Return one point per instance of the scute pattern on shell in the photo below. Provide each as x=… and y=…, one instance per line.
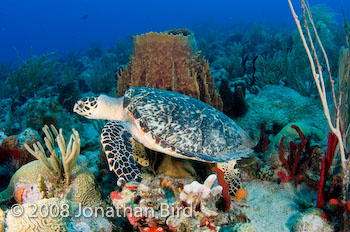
x=140, y=154
x=186, y=125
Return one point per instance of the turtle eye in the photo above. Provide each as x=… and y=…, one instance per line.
x=81, y=105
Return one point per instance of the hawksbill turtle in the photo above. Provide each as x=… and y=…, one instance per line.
x=164, y=121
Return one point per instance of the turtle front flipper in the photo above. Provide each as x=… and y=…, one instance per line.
x=116, y=143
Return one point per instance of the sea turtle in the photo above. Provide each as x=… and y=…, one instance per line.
x=164, y=121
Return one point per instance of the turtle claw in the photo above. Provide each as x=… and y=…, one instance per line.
x=139, y=179
x=121, y=182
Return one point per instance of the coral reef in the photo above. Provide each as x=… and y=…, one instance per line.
x=34, y=74
x=69, y=92
x=100, y=74
x=295, y=163
x=277, y=106
x=272, y=204
x=25, y=187
x=42, y=112
x=10, y=150
x=233, y=96
x=195, y=192
x=69, y=154
x=13, y=154
x=326, y=164
x=174, y=204
x=271, y=68
x=265, y=84
x=312, y=221
x=84, y=190
x=61, y=179
x=249, y=167
x=244, y=227
x=11, y=143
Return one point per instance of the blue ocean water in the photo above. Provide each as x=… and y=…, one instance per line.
x=61, y=26
x=244, y=58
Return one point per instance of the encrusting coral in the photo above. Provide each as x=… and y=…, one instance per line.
x=174, y=204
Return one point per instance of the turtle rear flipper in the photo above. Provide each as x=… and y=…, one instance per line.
x=116, y=143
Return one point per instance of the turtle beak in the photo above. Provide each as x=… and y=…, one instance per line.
x=78, y=107
x=75, y=108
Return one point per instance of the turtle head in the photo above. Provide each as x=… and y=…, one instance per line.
x=101, y=107
x=87, y=107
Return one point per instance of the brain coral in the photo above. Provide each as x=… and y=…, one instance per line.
x=26, y=222
x=52, y=215
x=83, y=189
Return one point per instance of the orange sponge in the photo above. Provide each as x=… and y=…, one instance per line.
x=241, y=194
x=19, y=194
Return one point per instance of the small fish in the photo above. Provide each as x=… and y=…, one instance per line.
x=85, y=16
